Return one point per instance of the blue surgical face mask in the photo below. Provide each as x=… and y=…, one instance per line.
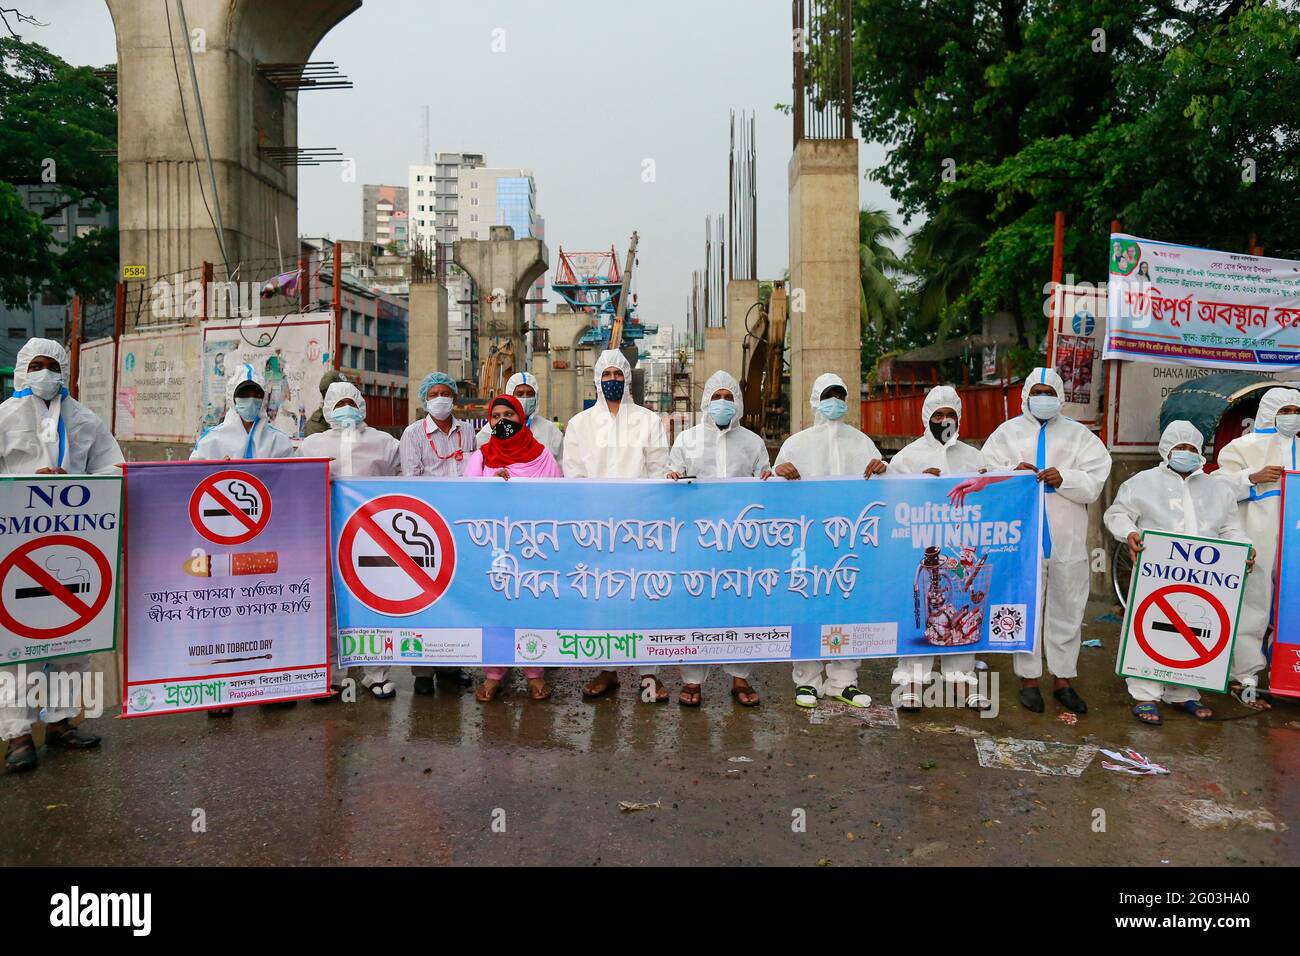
x=1044, y=407
x=249, y=409
x=833, y=409
x=722, y=412
x=45, y=384
x=1184, y=462
x=530, y=405
x=344, y=416
x=612, y=389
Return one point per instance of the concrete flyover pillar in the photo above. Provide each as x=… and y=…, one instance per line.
x=504, y=269
x=164, y=187
x=742, y=299
x=426, y=339
x=824, y=273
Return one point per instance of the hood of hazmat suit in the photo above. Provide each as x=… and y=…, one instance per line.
x=828, y=448
x=951, y=457
x=358, y=451
x=631, y=444
x=1159, y=499
x=707, y=451
x=230, y=440
x=62, y=433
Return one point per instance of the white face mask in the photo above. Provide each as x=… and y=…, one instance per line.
x=45, y=384
x=439, y=408
x=1044, y=407
x=1288, y=425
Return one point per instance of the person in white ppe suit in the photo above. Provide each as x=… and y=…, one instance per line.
x=718, y=447
x=523, y=386
x=1073, y=465
x=828, y=447
x=44, y=431
x=358, y=451
x=616, y=438
x=437, y=446
x=245, y=432
x=1178, y=497
x=1253, y=465
x=938, y=452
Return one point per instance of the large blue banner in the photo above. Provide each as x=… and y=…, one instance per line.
x=609, y=573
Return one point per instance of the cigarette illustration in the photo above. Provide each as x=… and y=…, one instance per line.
x=409, y=531
x=68, y=569
x=232, y=565
x=231, y=660
x=1192, y=615
x=243, y=496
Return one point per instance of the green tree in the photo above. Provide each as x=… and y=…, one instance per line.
x=1177, y=119
x=879, y=265
x=58, y=129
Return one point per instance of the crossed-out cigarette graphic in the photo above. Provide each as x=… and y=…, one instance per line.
x=243, y=495
x=76, y=580
x=409, y=531
x=1192, y=615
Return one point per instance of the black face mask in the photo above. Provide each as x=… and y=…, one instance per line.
x=943, y=430
x=506, y=429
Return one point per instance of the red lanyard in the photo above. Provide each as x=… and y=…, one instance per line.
x=458, y=454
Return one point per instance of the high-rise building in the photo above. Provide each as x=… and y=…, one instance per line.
x=460, y=197
x=435, y=217
x=384, y=216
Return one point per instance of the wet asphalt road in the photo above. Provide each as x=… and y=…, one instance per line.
x=435, y=780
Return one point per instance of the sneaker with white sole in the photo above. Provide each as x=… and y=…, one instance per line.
x=853, y=697
x=805, y=696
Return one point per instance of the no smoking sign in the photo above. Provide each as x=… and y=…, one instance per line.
x=396, y=555
x=1183, y=608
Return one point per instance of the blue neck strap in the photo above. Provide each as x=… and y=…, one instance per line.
x=248, y=448
x=63, y=430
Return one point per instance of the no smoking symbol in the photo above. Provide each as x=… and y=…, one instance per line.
x=60, y=575
x=396, y=555
x=230, y=507
x=1199, y=620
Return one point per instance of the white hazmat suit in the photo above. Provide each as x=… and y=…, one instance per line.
x=823, y=449
x=35, y=434
x=631, y=444
x=543, y=429
x=231, y=440
x=1084, y=465
x=1259, y=508
x=952, y=457
x=1159, y=499
x=358, y=451
x=709, y=451
x=75, y=438
x=600, y=445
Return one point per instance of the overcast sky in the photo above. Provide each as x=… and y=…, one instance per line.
x=583, y=93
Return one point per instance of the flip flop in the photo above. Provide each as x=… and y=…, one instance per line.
x=737, y=691
x=1150, y=709
x=1192, y=706
x=687, y=692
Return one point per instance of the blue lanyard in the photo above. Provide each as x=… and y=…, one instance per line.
x=63, y=431
x=248, y=448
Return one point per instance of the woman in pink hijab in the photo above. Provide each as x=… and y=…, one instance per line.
x=511, y=452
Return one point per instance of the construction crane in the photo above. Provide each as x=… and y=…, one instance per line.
x=591, y=282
